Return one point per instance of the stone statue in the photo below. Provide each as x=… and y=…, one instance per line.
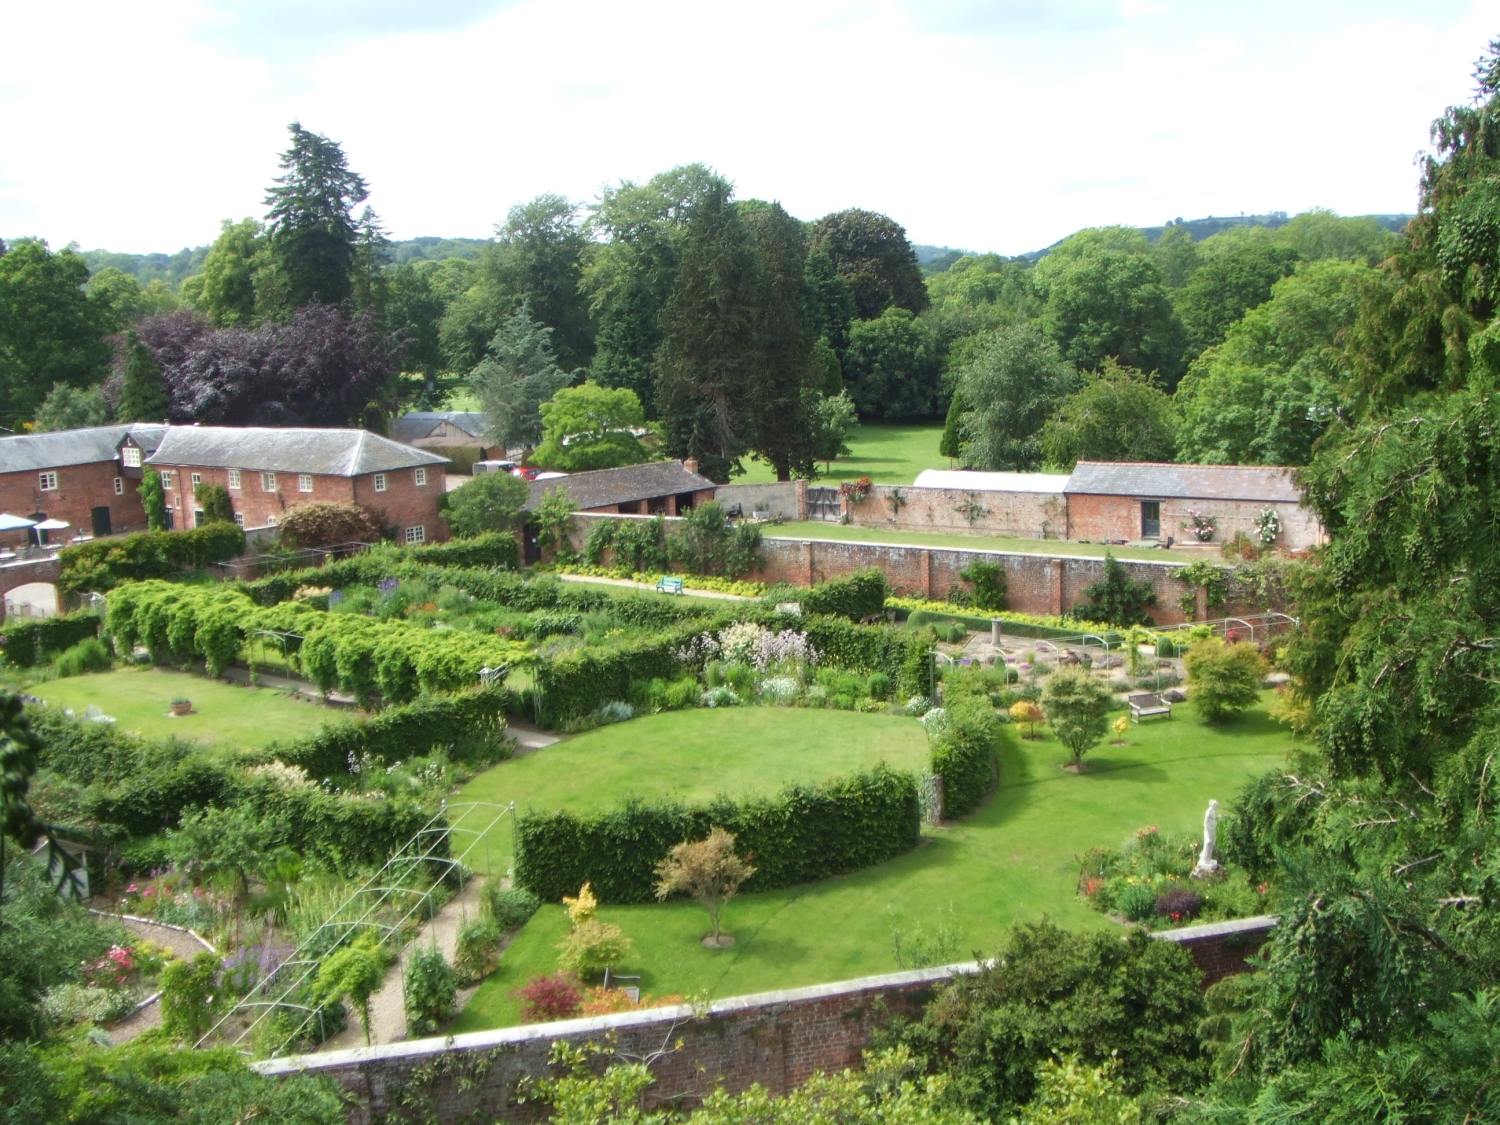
x=1206, y=861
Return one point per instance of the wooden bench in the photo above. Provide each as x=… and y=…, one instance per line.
x=665, y=585
x=1144, y=704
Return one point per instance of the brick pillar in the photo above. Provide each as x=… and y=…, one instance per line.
x=671, y=505
x=1200, y=604
x=927, y=574
x=801, y=487
x=1055, y=585
x=807, y=563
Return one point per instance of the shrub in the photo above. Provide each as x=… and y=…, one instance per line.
x=708, y=871
x=487, y=504
x=1179, y=904
x=963, y=754
x=86, y=656
x=639, y=546
x=616, y=712
x=1077, y=706
x=555, y=997
x=879, y=686
x=1117, y=599
x=188, y=993
x=707, y=543
x=104, y=563
x=27, y=643
x=213, y=502
x=803, y=833
x=1025, y=711
x=1136, y=901
x=355, y=972
x=592, y=947
x=509, y=909
x=327, y=525
x=428, y=990
x=988, y=580
x=682, y=693
x=856, y=597
x=1224, y=678
x=474, y=953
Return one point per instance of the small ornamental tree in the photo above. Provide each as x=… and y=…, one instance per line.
x=354, y=972
x=491, y=502
x=555, y=997
x=593, y=945
x=1118, y=599
x=709, y=872
x=153, y=499
x=324, y=525
x=1223, y=679
x=1025, y=711
x=1077, y=705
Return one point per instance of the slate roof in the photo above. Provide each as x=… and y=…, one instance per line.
x=146, y=435
x=417, y=424
x=1188, y=482
x=31, y=452
x=972, y=481
x=335, y=453
x=601, y=488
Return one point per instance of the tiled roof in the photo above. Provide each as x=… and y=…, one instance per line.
x=602, y=487
x=338, y=453
x=1189, y=482
x=418, y=424
x=30, y=452
x=971, y=481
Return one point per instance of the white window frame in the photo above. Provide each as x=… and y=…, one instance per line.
x=270, y=521
x=304, y=482
x=166, y=480
x=197, y=480
x=197, y=517
x=119, y=486
x=131, y=456
x=268, y=482
x=46, y=482
x=234, y=478
x=379, y=482
x=420, y=476
x=417, y=534
x=239, y=519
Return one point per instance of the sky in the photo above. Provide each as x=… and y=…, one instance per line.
x=995, y=126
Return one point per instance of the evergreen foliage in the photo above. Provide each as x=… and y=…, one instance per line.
x=143, y=395
x=310, y=221
x=1117, y=599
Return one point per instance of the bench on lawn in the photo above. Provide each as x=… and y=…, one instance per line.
x=631, y=986
x=665, y=585
x=1144, y=704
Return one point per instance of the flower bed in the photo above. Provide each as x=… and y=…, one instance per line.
x=1150, y=881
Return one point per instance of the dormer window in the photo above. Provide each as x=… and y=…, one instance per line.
x=131, y=456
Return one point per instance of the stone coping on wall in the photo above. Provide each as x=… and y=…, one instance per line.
x=592, y=1025
x=1257, y=924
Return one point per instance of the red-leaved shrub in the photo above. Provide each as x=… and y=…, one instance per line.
x=556, y=997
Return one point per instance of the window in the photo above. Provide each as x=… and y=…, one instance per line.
x=268, y=482
x=379, y=482
x=197, y=517
x=234, y=478
x=421, y=475
x=304, y=482
x=131, y=455
x=239, y=519
x=47, y=482
x=270, y=521
x=1150, y=519
x=416, y=534
x=119, y=486
x=166, y=481
x=197, y=480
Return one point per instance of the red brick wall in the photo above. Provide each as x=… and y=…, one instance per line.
x=1097, y=518
x=1014, y=515
x=1221, y=949
x=80, y=489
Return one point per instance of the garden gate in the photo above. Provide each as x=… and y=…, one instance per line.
x=823, y=504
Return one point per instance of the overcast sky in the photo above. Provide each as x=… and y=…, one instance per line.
x=999, y=125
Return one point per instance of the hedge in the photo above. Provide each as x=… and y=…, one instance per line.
x=802, y=834
x=963, y=755
x=860, y=595
x=982, y=624
x=578, y=683
x=397, y=733
x=30, y=642
x=104, y=563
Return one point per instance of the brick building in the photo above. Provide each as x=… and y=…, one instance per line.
x=269, y=472
x=75, y=476
x=462, y=436
x=670, y=487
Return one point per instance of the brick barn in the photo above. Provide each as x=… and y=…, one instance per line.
x=269, y=472
x=462, y=436
x=75, y=476
x=668, y=487
x=1135, y=501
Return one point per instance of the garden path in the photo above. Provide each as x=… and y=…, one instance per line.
x=388, y=1006
x=185, y=945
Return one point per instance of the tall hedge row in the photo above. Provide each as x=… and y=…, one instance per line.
x=104, y=563
x=858, y=596
x=28, y=642
x=580, y=682
x=397, y=733
x=963, y=755
x=802, y=834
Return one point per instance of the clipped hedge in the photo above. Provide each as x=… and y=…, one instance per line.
x=104, y=563
x=30, y=642
x=580, y=682
x=981, y=624
x=398, y=733
x=860, y=595
x=801, y=834
x=963, y=755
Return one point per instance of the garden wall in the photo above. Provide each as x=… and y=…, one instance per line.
x=776, y=1039
x=1011, y=515
x=785, y=500
x=1101, y=518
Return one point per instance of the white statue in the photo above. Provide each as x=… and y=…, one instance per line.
x=1206, y=861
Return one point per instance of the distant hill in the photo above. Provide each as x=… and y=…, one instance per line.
x=173, y=268
x=430, y=248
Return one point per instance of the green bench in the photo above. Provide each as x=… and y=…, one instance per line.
x=665, y=585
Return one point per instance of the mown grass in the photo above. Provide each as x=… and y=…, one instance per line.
x=1015, y=859
x=886, y=452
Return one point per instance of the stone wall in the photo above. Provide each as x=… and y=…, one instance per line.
x=1012, y=515
x=783, y=499
x=776, y=1039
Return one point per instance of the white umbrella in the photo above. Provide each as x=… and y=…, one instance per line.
x=9, y=522
x=53, y=525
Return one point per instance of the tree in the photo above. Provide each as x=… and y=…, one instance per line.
x=328, y=525
x=490, y=502
x=828, y=369
x=1117, y=415
x=832, y=419
x=369, y=287
x=68, y=408
x=1223, y=678
x=591, y=427
x=188, y=991
x=227, y=295
x=831, y=304
x=143, y=394
x=517, y=375
x=891, y=367
x=354, y=972
x=1015, y=381
x=1117, y=599
x=709, y=872
x=871, y=253
x=122, y=301
x=310, y=221
x=414, y=311
x=1228, y=285
x=1025, y=711
x=951, y=445
x=50, y=331
x=153, y=499
x=706, y=542
x=1077, y=706
x=1071, y=1093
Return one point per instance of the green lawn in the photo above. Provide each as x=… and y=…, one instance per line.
x=694, y=756
x=819, y=529
x=886, y=452
x=1015, y=859
x=223, y=713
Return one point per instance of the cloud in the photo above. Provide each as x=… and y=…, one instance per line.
x=295, y=30
x=1014, y=17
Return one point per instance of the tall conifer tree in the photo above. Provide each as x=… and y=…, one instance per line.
x=143, y=397
x=311, y=221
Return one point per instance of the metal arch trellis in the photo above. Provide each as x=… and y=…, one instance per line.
x=280, y=989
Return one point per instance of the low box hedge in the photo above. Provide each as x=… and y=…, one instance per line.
x=803, y=833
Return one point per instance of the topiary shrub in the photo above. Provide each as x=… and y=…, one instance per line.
x=325, y=525
x=860, y=595
x=509, y=909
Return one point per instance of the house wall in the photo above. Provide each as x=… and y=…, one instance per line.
x=1011, y=515
x=80, y=489
x=1099, y=518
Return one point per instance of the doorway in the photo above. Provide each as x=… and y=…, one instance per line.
x=100, y=518
x=1150, y=519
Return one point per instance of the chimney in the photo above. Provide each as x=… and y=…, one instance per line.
x=690, y=464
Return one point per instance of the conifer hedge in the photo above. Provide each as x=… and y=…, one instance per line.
x=803, y=833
